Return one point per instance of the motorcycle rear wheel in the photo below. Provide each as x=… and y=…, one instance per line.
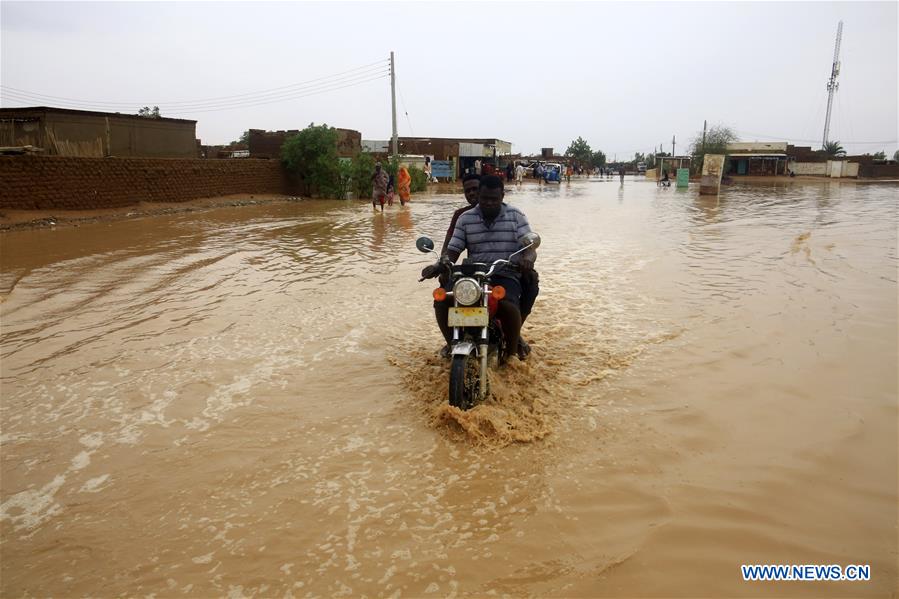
x=465, y=381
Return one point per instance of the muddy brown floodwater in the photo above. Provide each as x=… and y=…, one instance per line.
x=248, y=402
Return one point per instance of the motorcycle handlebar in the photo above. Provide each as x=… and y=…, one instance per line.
x=495, y=264
x=490, y=272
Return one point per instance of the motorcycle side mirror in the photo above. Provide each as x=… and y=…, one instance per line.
x=424, y=245
x=531, y=240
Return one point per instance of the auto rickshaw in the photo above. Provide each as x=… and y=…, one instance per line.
x=552, y=173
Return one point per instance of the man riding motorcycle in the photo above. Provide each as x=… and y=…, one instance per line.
x=490, y=231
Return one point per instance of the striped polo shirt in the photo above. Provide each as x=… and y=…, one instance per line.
x=486, y=243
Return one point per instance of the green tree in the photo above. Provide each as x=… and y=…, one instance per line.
x=896, y=155
x=393, y=166
x=312, y=154
x=833, y=149
x=244, y=139
x=345, y=173
x=716, y=140
x=363, y=169
x=419, y=179
x=880, y=155
x=598, y=158
x=149, y=113
x=580, y=152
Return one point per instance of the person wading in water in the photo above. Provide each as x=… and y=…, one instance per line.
x=379, y=187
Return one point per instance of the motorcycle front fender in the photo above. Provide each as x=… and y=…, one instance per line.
x=464, y=348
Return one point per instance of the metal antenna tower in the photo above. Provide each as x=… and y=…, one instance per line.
x=832, y=85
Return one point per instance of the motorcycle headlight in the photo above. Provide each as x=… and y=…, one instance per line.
x=467, y=291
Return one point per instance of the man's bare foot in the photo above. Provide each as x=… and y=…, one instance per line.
x=524, y=350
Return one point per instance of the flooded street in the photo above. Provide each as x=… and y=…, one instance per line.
x=249, y=402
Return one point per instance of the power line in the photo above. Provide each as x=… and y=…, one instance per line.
x=222, y=104
x=889, y=141
x=295, y=97
x=347, y=74
x=256, y=101
x=406, y=112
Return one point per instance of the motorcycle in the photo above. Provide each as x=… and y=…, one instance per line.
x=477, y=332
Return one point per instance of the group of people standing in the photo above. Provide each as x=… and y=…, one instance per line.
x=549, y=172
x=385, y=189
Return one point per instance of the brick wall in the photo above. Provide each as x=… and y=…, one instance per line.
x=267, y=144
x=69, y=183
x=349, y=143
x=875, y=171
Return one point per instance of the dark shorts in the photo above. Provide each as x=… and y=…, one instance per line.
x=530, y=288
x=513, y=289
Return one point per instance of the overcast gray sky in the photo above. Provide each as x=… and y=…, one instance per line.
x=625, y=76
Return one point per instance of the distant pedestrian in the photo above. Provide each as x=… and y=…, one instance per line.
x=519, y=173
x=510, y=172
x=477, y=167
x=404, y=185
x=379, y=182
x=391, y=190
x=538, y=172
x=621, y=174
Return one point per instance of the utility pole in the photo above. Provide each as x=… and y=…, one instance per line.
x=394, y=140
x=704, y=124
x=672, y=146
x=832, y=85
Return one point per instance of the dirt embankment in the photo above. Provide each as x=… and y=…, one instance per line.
x=36, y=219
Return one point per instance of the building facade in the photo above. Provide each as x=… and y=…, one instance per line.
x=757, y=158
x=463, y=151
x=64, y=132
x=267, y=144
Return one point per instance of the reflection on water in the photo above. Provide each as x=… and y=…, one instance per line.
x=248, y=401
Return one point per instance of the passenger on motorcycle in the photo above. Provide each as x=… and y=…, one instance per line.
x=530, y=280
x=470, y=185
x=490, y=231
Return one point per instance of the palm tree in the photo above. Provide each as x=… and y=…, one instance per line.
x=833, y=149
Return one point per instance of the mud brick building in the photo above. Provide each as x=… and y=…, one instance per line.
x=267, y=144
x=84, y=133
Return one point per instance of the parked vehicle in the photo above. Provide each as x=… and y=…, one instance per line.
x=553, y=172
x=477, y=333
x=641, y=168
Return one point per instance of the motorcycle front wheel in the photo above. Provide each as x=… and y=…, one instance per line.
x=465, y=381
